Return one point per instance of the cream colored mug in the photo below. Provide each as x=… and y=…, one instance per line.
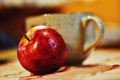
x=77, y=30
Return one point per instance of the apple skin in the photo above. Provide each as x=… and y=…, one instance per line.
x=42, y=50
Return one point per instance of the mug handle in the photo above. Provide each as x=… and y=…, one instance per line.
x=85, y=22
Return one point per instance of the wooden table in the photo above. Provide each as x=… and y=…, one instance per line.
x=102, y=64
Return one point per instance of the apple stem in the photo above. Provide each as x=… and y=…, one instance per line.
x=27, y=38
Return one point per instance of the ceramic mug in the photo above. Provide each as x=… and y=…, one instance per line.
x=77, y=30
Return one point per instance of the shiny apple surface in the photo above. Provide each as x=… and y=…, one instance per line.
x=42, y=50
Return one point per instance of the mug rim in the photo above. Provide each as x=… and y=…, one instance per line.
x=72, y=13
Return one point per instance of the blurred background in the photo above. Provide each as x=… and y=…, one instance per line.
x=14, y=12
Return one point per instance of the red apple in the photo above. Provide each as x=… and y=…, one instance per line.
x=42, y=50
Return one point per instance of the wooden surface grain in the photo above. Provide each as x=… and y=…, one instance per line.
x=102, y=64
